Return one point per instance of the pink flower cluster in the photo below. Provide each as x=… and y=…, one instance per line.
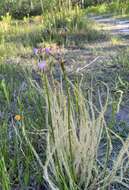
x=49, y=51
x=38, y=51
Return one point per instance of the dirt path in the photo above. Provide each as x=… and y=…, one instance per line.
x=116, y=26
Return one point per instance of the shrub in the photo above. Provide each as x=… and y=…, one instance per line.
x=19, y=9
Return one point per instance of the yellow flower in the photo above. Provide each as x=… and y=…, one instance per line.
x=18, y=117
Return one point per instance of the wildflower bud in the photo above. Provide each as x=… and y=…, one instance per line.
x=62, y=65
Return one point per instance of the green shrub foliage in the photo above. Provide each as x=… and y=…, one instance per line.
x=20, y=8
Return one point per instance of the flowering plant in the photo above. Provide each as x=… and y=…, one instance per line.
x=44, y=53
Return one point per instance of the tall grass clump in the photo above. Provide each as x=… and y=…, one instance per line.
x=72, y=156
x=75, y=131
x=70, y=26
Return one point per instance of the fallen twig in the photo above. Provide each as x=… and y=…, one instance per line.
x=80, y=69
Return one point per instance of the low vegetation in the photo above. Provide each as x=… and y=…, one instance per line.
x=116, y=7
x=59, y=128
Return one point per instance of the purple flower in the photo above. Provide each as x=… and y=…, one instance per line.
x=42, y=65
x=47, y=50
x=36, y=51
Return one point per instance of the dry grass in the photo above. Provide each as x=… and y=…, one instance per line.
x=74, y=136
